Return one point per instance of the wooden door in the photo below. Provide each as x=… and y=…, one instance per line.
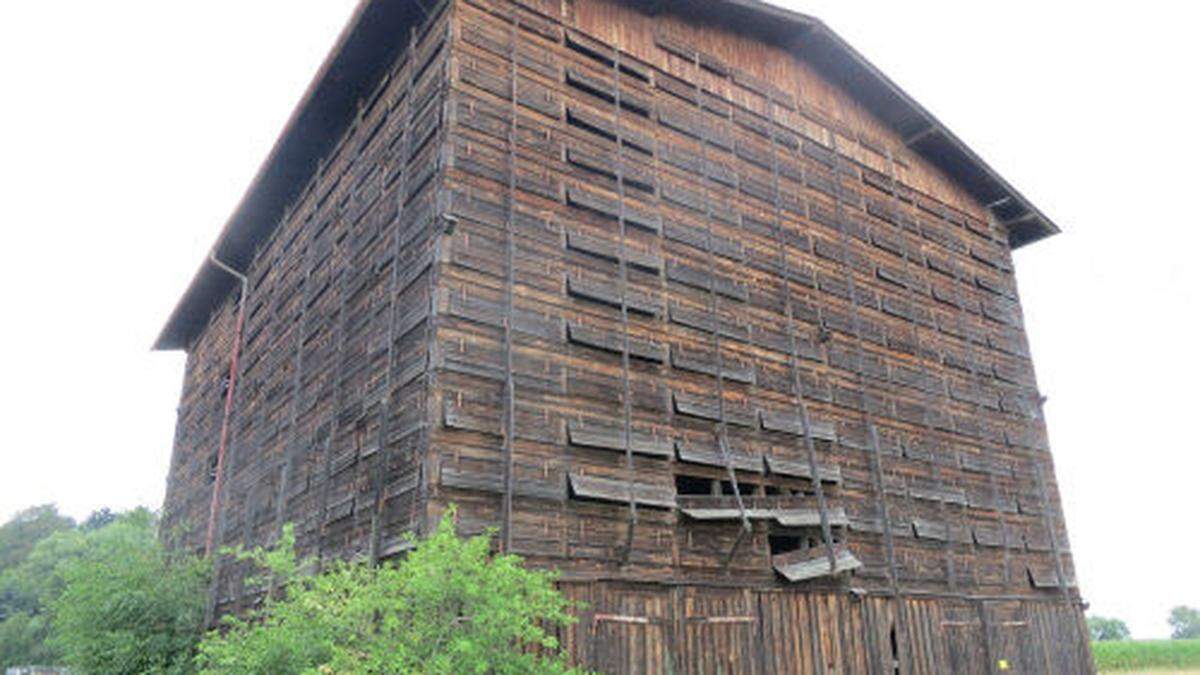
x=965, y=639
x=721, y=631
x=630, y=630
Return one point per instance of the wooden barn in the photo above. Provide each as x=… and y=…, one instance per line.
x=685, y=298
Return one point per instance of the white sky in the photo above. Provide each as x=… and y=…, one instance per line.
x=130, y=128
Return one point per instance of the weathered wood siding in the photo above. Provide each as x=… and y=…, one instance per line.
x=611, y=281
x=330, y=403
x=650, y=628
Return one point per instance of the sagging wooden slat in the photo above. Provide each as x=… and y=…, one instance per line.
x=485, y=476
x=607, y=293
x=985, y=501
x=803, y=565
x=994, y=537
x=632, y=175
x=875, y=526
x=611, y=208
x=811, y=517
x=339, y=510
x=828, y=473
x=701, y=279
x=782, y=516
x=606, y=129
x=706, y=407
x=612, y=438
x=698, y=238
x=702, y=320
x=935, y=493
x=939, y=531
x=613, y=342
x=621, y=492
x=608, y=250
x=977, y=463
x=709, y=455
x=706, y=363
x=1040, y=577
x=457, y=417
x=790, y=423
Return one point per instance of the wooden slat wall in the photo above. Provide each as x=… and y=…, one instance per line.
x=327, y=431
x=647, y=628
x=373, y=387
x=949, y=383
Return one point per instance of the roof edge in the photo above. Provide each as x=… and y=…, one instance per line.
x=364, y=49
x=367, y=45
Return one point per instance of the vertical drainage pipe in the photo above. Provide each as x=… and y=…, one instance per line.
x=214, y=505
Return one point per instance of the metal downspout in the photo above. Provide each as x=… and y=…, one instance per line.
x=214, y=505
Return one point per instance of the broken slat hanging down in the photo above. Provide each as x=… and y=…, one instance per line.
x=810, y=564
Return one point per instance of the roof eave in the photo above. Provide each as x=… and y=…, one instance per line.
x=367, y=45
x=364, y=49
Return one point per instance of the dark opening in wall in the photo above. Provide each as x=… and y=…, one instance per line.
x=784, y=543
x=693, y=485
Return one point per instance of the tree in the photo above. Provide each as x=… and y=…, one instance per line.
x=126, y=604
x=26, y=589
x=1185, y=623
x=1103, y=628
x=451, y=606
x=23, y=641
x=20, y=534
x=98, y=519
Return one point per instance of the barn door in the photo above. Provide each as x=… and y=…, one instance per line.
x=965, y=640
x=1013, y=648
x=630, y=630
x=721, y=631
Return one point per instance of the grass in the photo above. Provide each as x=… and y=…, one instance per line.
x=1147, y=655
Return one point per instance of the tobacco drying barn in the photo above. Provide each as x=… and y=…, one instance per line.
x=686, y=299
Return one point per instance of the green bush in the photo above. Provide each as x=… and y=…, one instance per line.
x=33, y=545
x=126, y=604
x=450, y=606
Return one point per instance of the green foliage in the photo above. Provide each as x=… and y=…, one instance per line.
x=33, y=545
x=1185, y=623
x=98, y=519
x=1143, y=655
x=23, y=640
x=20, y=534
x=126, y=604
x=1103, y=629
x=451, y=606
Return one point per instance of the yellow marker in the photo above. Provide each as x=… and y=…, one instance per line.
x=1002, y=664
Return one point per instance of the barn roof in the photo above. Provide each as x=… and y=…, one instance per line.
x=369, y=44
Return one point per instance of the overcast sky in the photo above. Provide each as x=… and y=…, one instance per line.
x=130, y=128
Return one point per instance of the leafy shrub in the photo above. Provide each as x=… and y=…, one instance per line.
x=450, y=606
x=127, y=605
